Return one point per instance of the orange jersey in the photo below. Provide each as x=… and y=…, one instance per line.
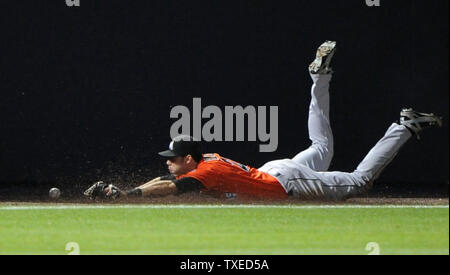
x=219, y=174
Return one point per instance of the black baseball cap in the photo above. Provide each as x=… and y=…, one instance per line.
x=182, y=146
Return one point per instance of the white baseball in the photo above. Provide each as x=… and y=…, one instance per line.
x=54, y=193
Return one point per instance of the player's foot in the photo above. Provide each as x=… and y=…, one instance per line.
x=417, y=122
x=96, y=190
x=321, y=65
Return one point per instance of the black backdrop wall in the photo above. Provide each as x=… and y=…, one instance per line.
x=87, y=91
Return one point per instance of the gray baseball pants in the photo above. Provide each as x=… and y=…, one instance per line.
x=305, y=176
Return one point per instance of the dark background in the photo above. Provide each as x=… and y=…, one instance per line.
x=86, y=91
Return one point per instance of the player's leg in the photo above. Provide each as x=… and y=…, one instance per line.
x=340, y=185
x=318, y=156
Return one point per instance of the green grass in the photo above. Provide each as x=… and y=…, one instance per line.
x=226, y=231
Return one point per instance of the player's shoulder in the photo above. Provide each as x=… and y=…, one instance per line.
x=211, y=157
x=208, y=166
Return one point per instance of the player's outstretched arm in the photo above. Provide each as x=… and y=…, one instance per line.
x=162, y=178
x=158, y=187
x=164, y=186
x=150, y=182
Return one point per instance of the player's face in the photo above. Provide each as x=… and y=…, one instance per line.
x=178, y=166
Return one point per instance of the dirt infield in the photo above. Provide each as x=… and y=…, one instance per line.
x=201, y=199
x=398, y=193
x=399, y=201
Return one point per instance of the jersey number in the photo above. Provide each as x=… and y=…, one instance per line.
x=237, y=164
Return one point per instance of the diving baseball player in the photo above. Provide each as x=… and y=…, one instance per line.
x=304, y=176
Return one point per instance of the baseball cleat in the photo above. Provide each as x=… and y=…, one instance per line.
x=417, y=122
x=96, y=190
x=112, y=192
x=321, y=65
